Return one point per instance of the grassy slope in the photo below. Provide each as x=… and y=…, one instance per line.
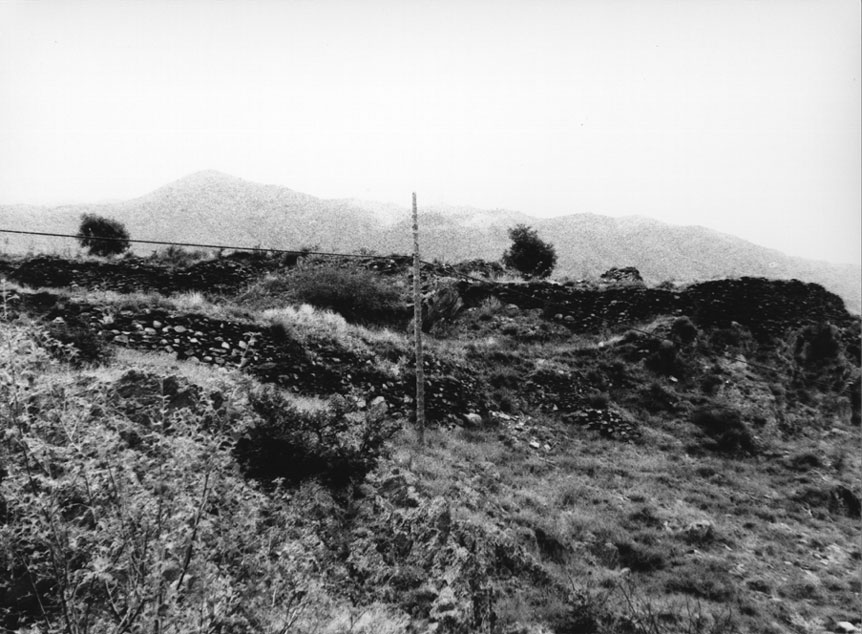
x=560, y=527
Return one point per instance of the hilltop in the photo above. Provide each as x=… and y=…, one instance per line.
x=227, y=443
x=216, y=208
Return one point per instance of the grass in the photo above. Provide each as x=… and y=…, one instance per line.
x=115, y=526
x=356, y=294
x=598, y=527
x=641, y=500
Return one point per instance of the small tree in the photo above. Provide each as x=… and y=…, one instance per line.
x=102, y=236
x=529, y=255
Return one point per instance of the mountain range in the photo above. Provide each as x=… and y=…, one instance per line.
x=215, y=208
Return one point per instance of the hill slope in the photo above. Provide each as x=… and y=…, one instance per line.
x=215, y=208
x=647, y=461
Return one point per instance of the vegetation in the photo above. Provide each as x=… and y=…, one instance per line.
x=111, y=525
x=529, y=254
x=102, y=236
x=358, y=295
x=726, y=428
x=335, y=444
x=180, y=257
x=662, y=475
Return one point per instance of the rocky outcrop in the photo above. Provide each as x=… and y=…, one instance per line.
x=626, y=275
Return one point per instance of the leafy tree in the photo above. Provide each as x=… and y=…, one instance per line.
x=102, y=236
x=529, y=254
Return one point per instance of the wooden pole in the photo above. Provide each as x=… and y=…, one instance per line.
x=417, y=330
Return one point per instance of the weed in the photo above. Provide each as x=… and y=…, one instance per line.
x=706, y=579
x=100, y=536
x=76, y=343
x=726, y=428
x=335, y=445
x=642, y=616
x=359, y=296
x=683, y=330
x=640, y=557
x=179, y=257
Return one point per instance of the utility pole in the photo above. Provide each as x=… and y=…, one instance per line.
x=417, y=330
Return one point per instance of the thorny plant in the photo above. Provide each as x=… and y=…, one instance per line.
x=109, y=528
x=622, y=607
x=641, y=616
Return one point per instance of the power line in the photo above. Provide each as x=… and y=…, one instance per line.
x=211, y=246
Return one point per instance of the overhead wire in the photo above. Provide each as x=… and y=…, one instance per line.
x=196, y=245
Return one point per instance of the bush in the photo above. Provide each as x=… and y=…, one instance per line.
x=683, y=330
x=179, y=257
x=76, y=343
x=335, y=445
x=358, y=295
x=102, y=236
x=817, y=344
x=710, y=384
x=528, y=254
x=640, y=557
x=726, y=428
x=99, y=534
x=663, y=359
x=44, y=271
x=708, y=580
x=441, y=308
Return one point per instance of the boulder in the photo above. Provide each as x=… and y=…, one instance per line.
x=628, y=274
x=472, y=419
x=699, y=532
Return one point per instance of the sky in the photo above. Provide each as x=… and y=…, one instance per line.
x=744, y=116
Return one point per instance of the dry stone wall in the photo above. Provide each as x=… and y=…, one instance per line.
x=318, y=368
x=767, y=307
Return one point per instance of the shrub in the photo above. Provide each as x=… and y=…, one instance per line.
x=724, y=340
x=528, y=254
x=179, y=257
x=640, y=557
x=442, y=307
x=683, y=330
x=705, y=579
x=817, y=344
x=102, y=236
x=100, y=534
x=76, y=343
x=710, y=384
x=44, y=271
x=334, y=445
x=358, y=295
x=725, y=427
x=598, y=400
x=663, y=360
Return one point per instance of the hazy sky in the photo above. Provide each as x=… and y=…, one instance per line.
x=740, y=115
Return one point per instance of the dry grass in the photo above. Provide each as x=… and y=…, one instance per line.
x=619, y=511
x=642, y=500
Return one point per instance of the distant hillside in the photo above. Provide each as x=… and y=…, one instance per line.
x=589, y=244
x=212, y=207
